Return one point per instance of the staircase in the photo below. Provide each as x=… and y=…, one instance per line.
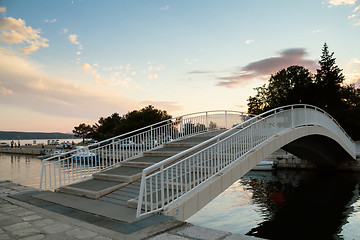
x=128, y=173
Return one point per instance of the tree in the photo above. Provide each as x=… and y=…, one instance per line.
x=338, y=99
x=138, y=119
x=288, y=86
x=349, y=113
x=115, y=124
x=259, y=103
x=82, y=131
x=329, y=80
x=105, y=128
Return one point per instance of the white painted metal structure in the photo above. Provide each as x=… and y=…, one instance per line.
x=166, y=185
x=77, y=165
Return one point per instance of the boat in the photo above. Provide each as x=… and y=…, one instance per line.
x=266, y=166
x=84, y=155
x=56, y=153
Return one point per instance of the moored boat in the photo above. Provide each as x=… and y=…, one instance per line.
x=56, y=153
x=84, y=155
x=266, y=166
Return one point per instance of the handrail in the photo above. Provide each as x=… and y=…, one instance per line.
x=76, y=165
x=165, y=183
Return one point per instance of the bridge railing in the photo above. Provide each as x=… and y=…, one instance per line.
x=167, y=182
x=78, y=164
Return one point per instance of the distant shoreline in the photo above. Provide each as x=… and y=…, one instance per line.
x=34, y=142
x=13, y=135
x=28, y=150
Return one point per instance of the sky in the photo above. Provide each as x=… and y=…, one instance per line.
x=66, y=62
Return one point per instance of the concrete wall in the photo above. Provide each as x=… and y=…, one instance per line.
x=193, y=201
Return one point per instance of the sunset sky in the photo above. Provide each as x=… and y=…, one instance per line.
x=65, y=62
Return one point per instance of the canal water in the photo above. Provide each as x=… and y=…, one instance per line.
x=21, y=169
x=288, y=205
x=274, y=205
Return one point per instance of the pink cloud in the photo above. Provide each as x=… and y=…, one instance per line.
x=263, y=68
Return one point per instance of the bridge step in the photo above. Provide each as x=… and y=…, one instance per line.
x=181, y=144
x=165, y=151
x=154, y=196
x=143, y=162
x=120, y=174
x=94, y=188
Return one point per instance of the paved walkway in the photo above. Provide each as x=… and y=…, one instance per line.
x=20, y=220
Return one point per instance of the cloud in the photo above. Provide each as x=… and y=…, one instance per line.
x=2, y=9
x=118, y=79
x=87, y=68
x=25, y=85
x=120, y=76
x=355, y=61
x=152, y=70
x=165, y=8
x=316, y=31
x=263, y=68
x=5, y=91
x=249, y=41
x=352, y=75
x=353, y=78
x=200, y=72
x=341, y=2
x=73, y=39
x=191, y=61
x=353, y=16
x=153, y=76
x=169, y=106
x=123, y=75
x=15, y=31
x=50, y=20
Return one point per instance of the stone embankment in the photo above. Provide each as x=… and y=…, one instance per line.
x=20, y=220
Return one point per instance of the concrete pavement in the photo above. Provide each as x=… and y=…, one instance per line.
x=36, y=219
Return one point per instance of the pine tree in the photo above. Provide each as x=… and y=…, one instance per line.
x=329, y=79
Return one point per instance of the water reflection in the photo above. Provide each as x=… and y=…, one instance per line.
x=315, y=206
x=22, y=169
x=288, y=205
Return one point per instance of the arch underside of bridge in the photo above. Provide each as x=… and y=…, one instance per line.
x=313, y=143
x=325, y=152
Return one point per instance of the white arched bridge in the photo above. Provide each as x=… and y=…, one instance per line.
x=179, y=165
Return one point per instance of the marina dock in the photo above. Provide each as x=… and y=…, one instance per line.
x=29, y=149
